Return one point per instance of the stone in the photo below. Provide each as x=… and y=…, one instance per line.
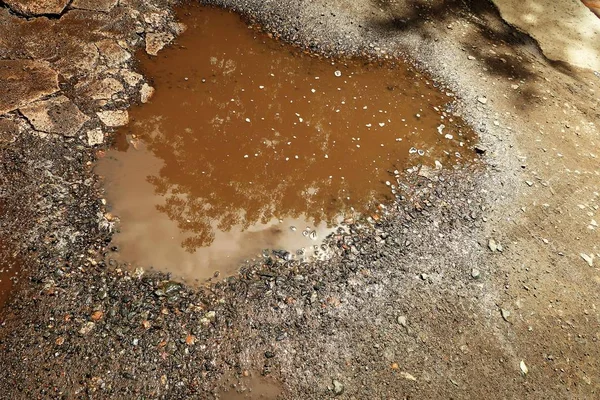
x=492, y=245
x=25, y=81
x=95, y=137
x=156, y=41
x=505, y=314
x=402, y=320
x=101, y=90
x=131, y=78
x=32, y=8
x=211, y=315
x=87, y=328
x=112, y=53
x=338, y=387
x=95, y=5
x=146, y=92
x=482, y=100
x=114, y=118
x=79, y=61
x=408, y=376
x=523, y=368
x=480, y=149
x=475, y=274
x=588, y=259
x=471, y=58
x=56, y=115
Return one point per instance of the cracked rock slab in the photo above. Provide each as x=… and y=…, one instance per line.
x=101, y=89
x=57, y=115
x=95, y=137
x=115, y=118
x=33, y=8
x=24, y=81
x=155, y=41
x=112, y=52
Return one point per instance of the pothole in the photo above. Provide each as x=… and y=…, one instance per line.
x=249, y=144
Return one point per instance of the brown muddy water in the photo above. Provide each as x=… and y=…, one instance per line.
x=251, y=387
x=10, y=266
x=249, y=144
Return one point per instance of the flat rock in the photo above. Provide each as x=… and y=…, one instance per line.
x=77, y=59
x=103, y=89
x=37, y=7
x=146, y=92
x=57, y=115
x=95, y=137
x=95, y=5
x=155, y=41
x=114, y=118
x=112, y=53
x=565, y=30
x=24, y=81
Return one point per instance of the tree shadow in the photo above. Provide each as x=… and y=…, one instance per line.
x=426, y=17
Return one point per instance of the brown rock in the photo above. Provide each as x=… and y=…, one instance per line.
x=95, y=5
x=97, y=315
x=24, y=81
x=100, y=89
x=112, y=52
x=9, y=130
x=146, y=92
x=56, y=115
x=155, y=41
x=37, y=7
x=190, y=339
x=77, y=59
x=114, y=118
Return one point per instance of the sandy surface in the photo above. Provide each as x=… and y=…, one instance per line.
x=565, y=30
x=476, y=284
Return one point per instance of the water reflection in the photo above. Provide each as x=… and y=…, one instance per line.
x=243, y=131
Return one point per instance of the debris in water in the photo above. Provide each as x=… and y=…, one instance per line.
x=227, y=154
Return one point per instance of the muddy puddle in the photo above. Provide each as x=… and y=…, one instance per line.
x=249, y=144
x=250, y=387
x=10, y=266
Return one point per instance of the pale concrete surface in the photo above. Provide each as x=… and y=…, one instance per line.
x=566, y=30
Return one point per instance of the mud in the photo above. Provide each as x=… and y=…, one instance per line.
x=10, y=267
x=250, y=144
x=250, y=386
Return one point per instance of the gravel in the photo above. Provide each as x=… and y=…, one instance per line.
x=84, y=325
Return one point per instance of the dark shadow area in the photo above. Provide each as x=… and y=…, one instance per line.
x=416, y=15
x=424, y=16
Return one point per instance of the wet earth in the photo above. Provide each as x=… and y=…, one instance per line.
x=470, y=281
x=9, y=272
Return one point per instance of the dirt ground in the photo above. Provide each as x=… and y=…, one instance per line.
x=478, y=283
